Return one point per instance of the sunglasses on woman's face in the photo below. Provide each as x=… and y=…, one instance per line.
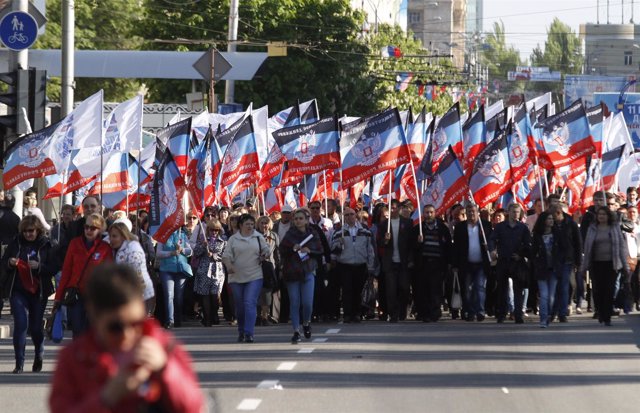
x=192, y=218
x=117, y=327
x=91, y=228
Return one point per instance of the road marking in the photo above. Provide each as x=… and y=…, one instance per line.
x=249, y=404
x=287, y=365
x=320, y=340
x=332, y=331
x=308, y=350
x=505, y=390
x=269, y=385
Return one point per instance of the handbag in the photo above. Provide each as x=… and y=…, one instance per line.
x=456, y=297
x=369, y=294
x=269, y=278
x=54, y=328
x=71, y=295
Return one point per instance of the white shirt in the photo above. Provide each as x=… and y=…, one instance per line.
x=283, y=228
x=475, y=252
x=395, y=231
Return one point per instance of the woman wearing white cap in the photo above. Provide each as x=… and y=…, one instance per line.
x=127, y=250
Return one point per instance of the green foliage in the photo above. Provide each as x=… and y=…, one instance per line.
x=501, y=59
x=425, y=70
x=562, y=50
x=100, y=25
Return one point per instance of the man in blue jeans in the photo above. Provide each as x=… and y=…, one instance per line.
x=471, y=260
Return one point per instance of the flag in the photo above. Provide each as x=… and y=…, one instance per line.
x=271, y=169
x=372, y=145
x=198, y=181
x=448, y=185
x=166, y=213
x=391, y=51
x=25, y=158
x=473, y=139
x=59, y=185
x=595, y=116
x=240, y=160
x=517, y=140
x=629, y=172
x=200, y=125
x=177, y=137
x=609, y=167
x=566, y=136
x=310, y=148
x=119, y=175
x=491, y=175
x=264, y=140
x=448, y=132
x=273, y=200
x=617, y=134
x=82, y=128
x=417, y=136
x=123, y=133
x=308, y=112
x=403, y=80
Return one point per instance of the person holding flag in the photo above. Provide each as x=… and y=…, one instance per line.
x=510, y=244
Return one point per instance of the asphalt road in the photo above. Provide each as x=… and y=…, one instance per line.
x=451, y=366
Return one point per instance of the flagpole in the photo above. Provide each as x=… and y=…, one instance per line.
x=484, y=236
x=415, y=183
x=264, y=204
x=389, y=199
x=341, y=201
x=540, y=184
x=202, y=228
x=61, y=200
x=126, y=190
x=326, y=194
x=305, y=189
x=139, y=173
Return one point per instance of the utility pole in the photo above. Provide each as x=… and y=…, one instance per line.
x=19, y=61
x=230, y=86
x=68, y=65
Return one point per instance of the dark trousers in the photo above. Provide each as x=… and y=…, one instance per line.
x=635, y=285
x=430, y=275
x=280, y=304
x=77, y=316
x=502, y=279
x=397, y=282
x=352, y=279
x=326, y=292
x=604, y=278
x=210, y=305
x=28, y=313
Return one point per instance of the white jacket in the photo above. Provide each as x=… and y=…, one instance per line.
x=131, y=253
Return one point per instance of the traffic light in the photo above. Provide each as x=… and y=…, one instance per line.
x=16, y=98
x=37, y=98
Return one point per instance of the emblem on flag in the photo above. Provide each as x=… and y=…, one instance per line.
x=560, y=136
x=308, y=142
x=367, y=149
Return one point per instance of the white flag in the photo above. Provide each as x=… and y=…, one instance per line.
x=264, y=140
x=122, y=134
x=200, y=125
x=82, y=128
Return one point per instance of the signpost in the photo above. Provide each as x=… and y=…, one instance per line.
x=18, y=30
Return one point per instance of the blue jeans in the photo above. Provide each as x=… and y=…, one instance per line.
x=476, y=289
x=173, y=289
x=547, y=291
x=245, y=298
x=77, y=316
x=28, y=313
x=561, y=306
x=301, y=295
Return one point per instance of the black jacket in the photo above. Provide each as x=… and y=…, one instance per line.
x=406, y=242
x=20, y=248
x=461, y=247
x=568, y=243
x=9, y=222
x=444, y=235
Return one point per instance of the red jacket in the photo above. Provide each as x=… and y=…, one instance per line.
x=81, y=260
x=83, y=370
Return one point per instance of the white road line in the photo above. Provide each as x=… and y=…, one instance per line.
x=332, y=331
x=287, y=365
x=320, y=340
x=249, y=404
x=505, y=390
x=308, y=350
x=269, y=385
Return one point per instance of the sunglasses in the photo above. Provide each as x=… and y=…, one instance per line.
x=91, y=228
x=118, y=326
x=315, y=207
x=209, y=215
x=29, y=230
x=193, y=217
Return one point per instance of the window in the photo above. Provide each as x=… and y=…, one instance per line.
x=415, y=17
x=628, y=58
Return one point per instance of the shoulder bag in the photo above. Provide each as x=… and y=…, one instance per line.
x=269, y=278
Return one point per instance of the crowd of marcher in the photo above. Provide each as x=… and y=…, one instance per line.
x=315, y=264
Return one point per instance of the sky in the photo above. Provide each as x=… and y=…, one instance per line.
x=526, y=21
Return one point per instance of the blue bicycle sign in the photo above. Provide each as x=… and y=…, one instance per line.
x=18, y=30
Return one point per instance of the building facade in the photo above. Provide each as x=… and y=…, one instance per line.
x=611, y=49
x=380, y=11
x=441, y=26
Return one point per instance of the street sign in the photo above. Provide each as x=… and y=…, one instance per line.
x=35, y=10
x=18, y=30
x=220, y=66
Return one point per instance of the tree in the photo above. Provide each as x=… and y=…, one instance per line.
x=425, y=70
x=562, y=52
x=99, y=25
x=501, y=59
